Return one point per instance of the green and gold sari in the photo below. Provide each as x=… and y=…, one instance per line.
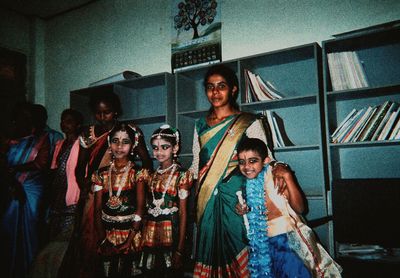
x=221, y=240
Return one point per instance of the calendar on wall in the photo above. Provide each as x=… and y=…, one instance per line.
x=196, y=34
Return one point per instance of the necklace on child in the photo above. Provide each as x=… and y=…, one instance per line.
x=114, y=201
x=156, y=211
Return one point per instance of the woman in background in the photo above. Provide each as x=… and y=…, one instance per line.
x=27, y=160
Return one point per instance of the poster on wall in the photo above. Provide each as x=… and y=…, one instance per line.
x=196, y=33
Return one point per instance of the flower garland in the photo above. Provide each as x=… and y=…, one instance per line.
x=260, y=259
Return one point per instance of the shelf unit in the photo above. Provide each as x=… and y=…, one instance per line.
x=148, y=101
x=296, y=72
x=379, y=53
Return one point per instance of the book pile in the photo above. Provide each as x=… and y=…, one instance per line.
x=346, y=71
x=257, y=89
x=372, y=123
x=277, y=130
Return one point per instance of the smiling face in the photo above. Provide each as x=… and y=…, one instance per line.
x=163, y=151
x=121, y=145
x=250, y=164
x=218, y=91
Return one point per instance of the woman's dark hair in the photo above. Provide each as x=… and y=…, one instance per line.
x=231, y=79
x=78, y=117
x=253, y=144
x=107, y=97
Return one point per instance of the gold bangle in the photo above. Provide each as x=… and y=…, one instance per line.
x=178, y=253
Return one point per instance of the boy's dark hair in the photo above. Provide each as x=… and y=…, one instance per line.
x=107, y=97
x=253, y=144
x=78, y=117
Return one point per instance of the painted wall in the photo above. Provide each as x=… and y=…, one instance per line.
x=107, y=37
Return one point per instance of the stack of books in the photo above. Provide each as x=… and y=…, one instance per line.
x=259, y=90
x=277, y=129
x=346, y=71
x=372, y=123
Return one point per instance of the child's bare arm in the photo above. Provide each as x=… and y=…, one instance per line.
x=293, y=192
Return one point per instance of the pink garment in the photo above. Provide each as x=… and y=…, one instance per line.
x=72, y=196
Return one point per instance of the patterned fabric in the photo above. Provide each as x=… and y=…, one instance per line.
x=298, y=241
x=61, y=215
x=117, y=230
x=19, y=224
x=160, y=234
x=221, y=249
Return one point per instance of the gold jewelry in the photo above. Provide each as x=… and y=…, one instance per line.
x=115, y=202
x=156, y=210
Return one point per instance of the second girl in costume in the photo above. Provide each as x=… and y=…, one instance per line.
x=168, y=192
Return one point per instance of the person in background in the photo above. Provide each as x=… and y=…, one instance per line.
x=82, y=259
x=64, y=196
x=41, y=127
x=221, y=246
x=27, y=161
x=281, y=244
x=167, y=194
x=119, y=205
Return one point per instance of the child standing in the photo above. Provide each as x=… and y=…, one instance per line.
x=119, y=205
x=168, y=191
x=289, y=247
x=64, y=195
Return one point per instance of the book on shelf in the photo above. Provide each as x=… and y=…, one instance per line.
x=346, y=71
x=364, y=126
x=382, y=124
x=342, y=124
x=356, y=123
x=395, y=130
x=277, y=129
x=259, y=90
x=375, y=120
x=126, y=74
x=352, y=125
x=386, y=132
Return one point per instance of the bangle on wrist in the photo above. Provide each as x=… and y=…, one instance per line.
x=137, y=218
x=178, y=253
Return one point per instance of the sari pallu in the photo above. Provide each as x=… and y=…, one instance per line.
x=19, y=224
x=221, y=240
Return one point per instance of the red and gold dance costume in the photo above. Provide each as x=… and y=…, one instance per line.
x=119, y=209
x=161, y=230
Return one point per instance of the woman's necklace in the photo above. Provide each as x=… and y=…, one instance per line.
x=115, y=202
x=156, y=211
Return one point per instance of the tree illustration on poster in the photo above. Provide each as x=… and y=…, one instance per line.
x=196, y=33
x=193, y=13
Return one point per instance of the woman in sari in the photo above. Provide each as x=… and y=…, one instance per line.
x=81, y=259
x=221, y=247
x=27, y=160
